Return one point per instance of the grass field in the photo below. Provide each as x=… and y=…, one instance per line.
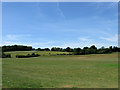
x=42, y=53
x=80, y=71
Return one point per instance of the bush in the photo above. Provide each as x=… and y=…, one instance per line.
x=6, y=55
x=64, y=54
x=20, y=56
x=27, y=56
x=33, y=54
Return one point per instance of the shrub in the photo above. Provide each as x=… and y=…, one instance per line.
x=33, y=54
x=27, y=56
x=6, y=55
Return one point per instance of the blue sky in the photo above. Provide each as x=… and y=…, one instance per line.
x=63, y=24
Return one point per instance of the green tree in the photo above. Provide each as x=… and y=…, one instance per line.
x=76, y=51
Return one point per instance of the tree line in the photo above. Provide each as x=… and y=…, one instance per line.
x=16, y=48
x=85, y=50
x=75, y=51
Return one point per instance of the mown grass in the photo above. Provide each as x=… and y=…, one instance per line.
x=80, y=71
x=42, y=53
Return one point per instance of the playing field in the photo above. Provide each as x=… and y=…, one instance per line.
x=70, y=71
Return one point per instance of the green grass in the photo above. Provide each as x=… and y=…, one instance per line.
x=0, y=73
x=85, y=71
x=42, y=53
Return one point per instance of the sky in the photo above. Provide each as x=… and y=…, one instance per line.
x=60, y=24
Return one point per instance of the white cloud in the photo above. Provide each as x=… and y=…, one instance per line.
x=11, y=43
x=15, y=37
x=42, y=44
x=12, y=39
x=112, y=38
x=34, y=44
x=113, y=5
x=60, y=11
x=82, y=44
x=84, y=39
x=108, y=5
x=26, y=39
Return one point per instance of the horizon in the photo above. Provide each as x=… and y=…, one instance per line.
x=60, y=47
x=63, y=24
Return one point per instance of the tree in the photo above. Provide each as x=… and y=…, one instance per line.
x=16, y=48
x=33, y=54
x=110, y=49
x=53, y=49
x=76, y=51
x=46, y=49
x=115, y=49
x=6, y=55
x=93, y=49
x=39, y=49
x=33, y=49
x=85, y=48
x=102, y=47
x=63, y=50
x=68, y=49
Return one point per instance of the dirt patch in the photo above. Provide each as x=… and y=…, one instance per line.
x=82, y=57
x=68, y=86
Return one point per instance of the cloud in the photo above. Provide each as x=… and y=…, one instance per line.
x=60, y=11
x=82, y=44
x=33, y=44
x=84, y=39
x=108, y=6
x=39, y=11
x=112, y=38
x=113, y=5
x=26, y=39
x=42, y=44
x=11, y=43
x=11, y=39
x=87, y=41
x=15, y=37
